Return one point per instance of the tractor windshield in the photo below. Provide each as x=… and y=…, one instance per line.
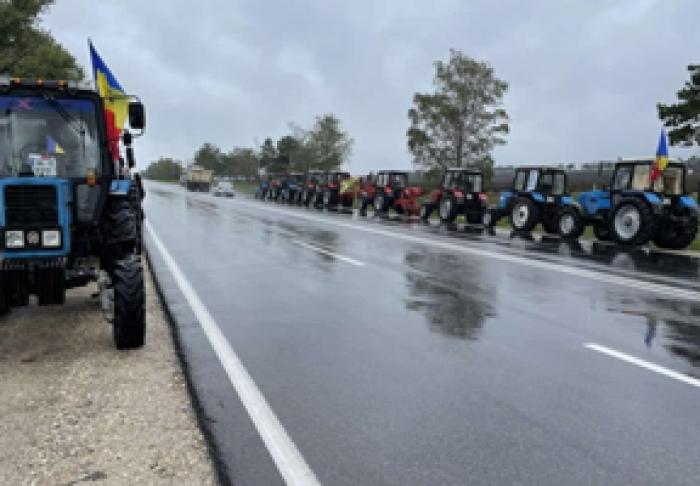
x=398, y=180
x=50, y=137
x=553, y=183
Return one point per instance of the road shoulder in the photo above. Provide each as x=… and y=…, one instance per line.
x=74, y=409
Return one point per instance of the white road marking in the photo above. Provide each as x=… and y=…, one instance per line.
x=644, y=364
x=329, y=253
x=284, y=452
x=630, y=282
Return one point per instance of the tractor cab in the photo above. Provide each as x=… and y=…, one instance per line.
x=67, y=198
x=460, y=192
x=536, y=196
x=392, y=183
x=334, y=179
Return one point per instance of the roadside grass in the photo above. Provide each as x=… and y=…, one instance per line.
x=245, y=187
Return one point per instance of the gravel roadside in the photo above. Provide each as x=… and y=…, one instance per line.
x=76, y=410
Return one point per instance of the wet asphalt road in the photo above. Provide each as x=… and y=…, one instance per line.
x=403, y=360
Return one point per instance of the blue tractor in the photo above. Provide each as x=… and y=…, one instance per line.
x=634, y=209
x=291, y=187
x=536, y=196
x=70, y=210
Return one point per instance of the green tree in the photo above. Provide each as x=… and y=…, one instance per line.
x=462, y=121
x=240, y=162
x=164, y=169
x=209, y=156
x=328, y=145
x=287, y=149
x=268, y=155
x=684, y=117
x=26, y=50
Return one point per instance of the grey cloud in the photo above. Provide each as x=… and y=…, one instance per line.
x=584, y=75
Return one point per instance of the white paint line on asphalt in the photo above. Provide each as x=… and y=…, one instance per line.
x=329, y=253
x=630, y=282
x=644, y=364
x=284, y=452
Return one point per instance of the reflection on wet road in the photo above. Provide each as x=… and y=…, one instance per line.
x=440, y=356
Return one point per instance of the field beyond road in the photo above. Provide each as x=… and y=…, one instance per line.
x=76, y=410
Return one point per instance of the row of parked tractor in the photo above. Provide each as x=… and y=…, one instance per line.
x=634, y=209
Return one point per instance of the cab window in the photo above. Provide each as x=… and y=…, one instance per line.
x=622, y=178
x=520, y=179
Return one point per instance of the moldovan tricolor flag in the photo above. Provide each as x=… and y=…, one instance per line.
x=661, y=158
x=116, y=100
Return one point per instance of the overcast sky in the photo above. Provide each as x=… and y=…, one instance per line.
x=584, y=75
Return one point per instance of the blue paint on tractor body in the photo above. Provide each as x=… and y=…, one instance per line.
x=687, y=202
x=594, y=201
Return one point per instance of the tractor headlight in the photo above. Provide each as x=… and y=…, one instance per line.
x=14, y=239
x=51, y=238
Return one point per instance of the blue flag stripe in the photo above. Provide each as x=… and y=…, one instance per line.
x=99, y=65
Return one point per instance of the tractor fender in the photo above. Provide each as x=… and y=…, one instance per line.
x=687, y=202
x=120, y=187
x=652, y=198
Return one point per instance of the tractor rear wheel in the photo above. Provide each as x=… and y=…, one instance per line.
x=363, y=206
x=677, y=235
x=380, y=205
x=426, y=209
x=489, y=218
x=525, y=214
x=570, y=224
x=633, y=222
x=448, y=208
x=129, y=324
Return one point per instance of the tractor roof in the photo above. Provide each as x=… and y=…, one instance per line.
x=464, y=169
x=541, y=167
x=390, y=172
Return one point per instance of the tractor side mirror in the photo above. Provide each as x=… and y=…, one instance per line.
x=137, y=115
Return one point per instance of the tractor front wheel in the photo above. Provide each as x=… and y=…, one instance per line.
x=129, y=323
x=426, y=209
x=524, y=215
x=448, y=208
x=570, y=223
x=633, y=222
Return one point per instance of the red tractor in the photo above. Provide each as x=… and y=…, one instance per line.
x=368, y=188
x=333, y=196
x=273, y=193
x=309, y=188
x=392, y=191
x=460, y=192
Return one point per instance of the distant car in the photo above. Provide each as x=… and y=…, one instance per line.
x=223, y=189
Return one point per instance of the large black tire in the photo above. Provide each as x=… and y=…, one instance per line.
x=129, y=324
x=4, y=304
x=447, y=208
x=135, y=198
x=119, y=232
x=380, y=203
x=570, y=223
x=632, y=222
x=490, y=217
x=426, y=209
x=602, y=231
x=677, y=235
x=524, y=215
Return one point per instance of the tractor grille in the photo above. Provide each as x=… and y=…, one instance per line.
x=30, y=205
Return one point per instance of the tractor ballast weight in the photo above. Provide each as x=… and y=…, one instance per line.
x=633, y=210
x=460, y=192
x=70, y=213
x=536, y=196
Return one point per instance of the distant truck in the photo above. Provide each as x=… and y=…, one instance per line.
x=223, y=189
x=198, y=179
